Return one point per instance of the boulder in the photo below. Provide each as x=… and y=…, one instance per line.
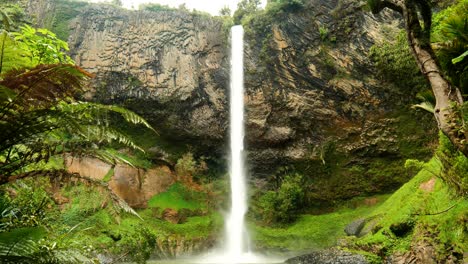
x=332, y=256
x=355, y=228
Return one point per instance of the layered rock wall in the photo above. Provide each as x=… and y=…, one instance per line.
x=168, y=65
x=314, y=103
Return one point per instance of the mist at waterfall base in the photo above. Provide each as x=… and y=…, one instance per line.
x=236, y=242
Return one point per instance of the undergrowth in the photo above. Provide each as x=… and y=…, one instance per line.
x=311, y=232
x=425, y=208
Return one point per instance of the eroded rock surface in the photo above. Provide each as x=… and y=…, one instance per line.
x=135, y=186
x=313, y=99
x=332, y=256
x=165, y=65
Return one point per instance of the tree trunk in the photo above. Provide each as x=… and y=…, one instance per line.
x=448, y=97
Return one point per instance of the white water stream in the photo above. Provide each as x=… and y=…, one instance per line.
x=236, y=245
x=236, y=234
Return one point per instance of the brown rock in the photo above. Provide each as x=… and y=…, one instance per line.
x=429, y=185
x=172, y=216
x=135, y=186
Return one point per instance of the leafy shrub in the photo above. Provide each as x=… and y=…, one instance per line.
x=395, y=64
x=454, y=166
x=449, y=32
x=284, y=204
x=245, y=9
x=139, y=245
x=153, y=7
x=278, y=6
x=187, y=168
x=24, y=207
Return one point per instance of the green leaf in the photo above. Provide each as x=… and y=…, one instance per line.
x=460, y=58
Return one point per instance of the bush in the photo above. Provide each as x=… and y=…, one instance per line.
x=396, y=65
x=156, y=7
x=283, y=205
x=454, y=166
x=25, y=206
x=138, y=245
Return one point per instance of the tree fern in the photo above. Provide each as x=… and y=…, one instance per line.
x=40, y=119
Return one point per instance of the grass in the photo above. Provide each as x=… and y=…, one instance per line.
x=309, y=232
x=424, y=213
x=176, y=197
x=194, y=227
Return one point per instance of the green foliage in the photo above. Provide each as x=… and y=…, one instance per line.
x=140, y=243
x=27, y=209
x=188, y=168
x=424, y=208
x=413, y=165
x=278, y=7
x=374, y=5
x=450, y=33
x=454, y=166
x=225, y=11
x=38, y=117
x=323, y=33
x=154, y=7
x=395, y=64
x=28, y=216
x=284, y=204
x=177, y=197
x=85, y=202
x=310, y=232
x=15, y=14
x=245, y=8
x=42, y=46
x=64, y=12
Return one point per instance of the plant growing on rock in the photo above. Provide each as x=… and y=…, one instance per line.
x=417, y=17
x=282, y=205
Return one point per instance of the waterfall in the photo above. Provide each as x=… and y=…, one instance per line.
x=236, y=245
x=236, y=234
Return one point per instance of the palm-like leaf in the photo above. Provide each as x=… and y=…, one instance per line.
x=40, y=119
x=427, y=106
x=43, y=86
x=451, y=36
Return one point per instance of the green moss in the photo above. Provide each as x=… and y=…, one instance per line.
x=176, y=197
x=108, y=175
x=64, y=12
x=425, y=215
x=396, y=65
x=309, y=231
x=410, y=128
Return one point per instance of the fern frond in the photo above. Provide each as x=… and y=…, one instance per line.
x=426, y=96
x=129, y=116
x=6, y=21
x=100, y=111
x=427, y=106
x=11, y=56
x=44, y=85
x=460, y=58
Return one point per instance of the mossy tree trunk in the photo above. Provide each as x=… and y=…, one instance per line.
x=448, y=98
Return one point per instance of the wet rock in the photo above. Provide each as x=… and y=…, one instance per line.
x=135, y=186
x=354, y=228
x=173, y=216
x=402, y=229
x=333, y=256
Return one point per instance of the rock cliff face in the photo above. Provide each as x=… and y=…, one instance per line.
x=313, y=100
x=168, y=66
x=135, y=186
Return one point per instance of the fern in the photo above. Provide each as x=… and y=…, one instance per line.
x=40, y=119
